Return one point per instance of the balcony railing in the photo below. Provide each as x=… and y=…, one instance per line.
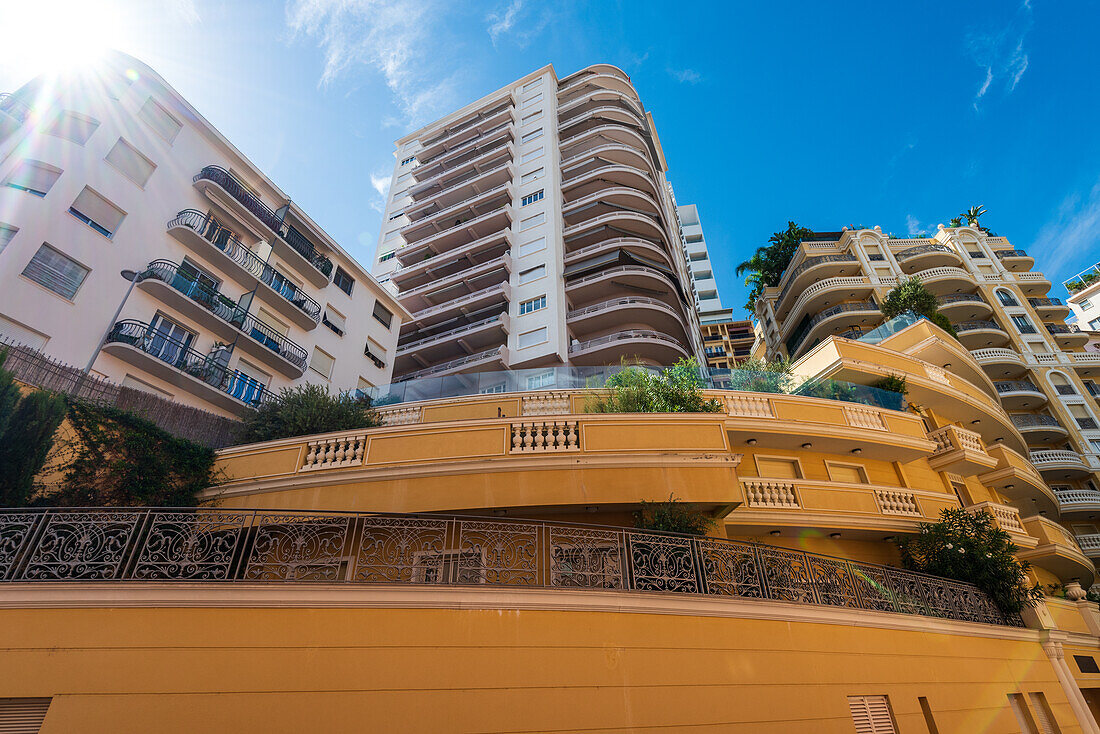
x=455, y=332
x=226, y=309
x=262, y=546
x=795, y=342
x=265, y=214
x=209, y=368
x=960, y=298
x=223, y=239
x=1056, y=456
x=1062, y=329
x=812, y=262
x=1010, y=253
x=1040, y=302
x=1006, y=386
x=1035, y=421
x=500, y=351
x=923, y=250
x=1077, y=497
x=626, y=335
x=977, y=325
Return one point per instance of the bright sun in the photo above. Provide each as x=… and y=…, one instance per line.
x=57, y=35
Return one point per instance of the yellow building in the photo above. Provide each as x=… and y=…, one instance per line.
x=471, y=566
x=726, y=341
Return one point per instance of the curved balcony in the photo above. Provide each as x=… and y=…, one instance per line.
x=600, y=80
x=1000, y=362
x=1057, y=551
x=923, y=257
x=458, y=175
x=1087, y=364
x=822, y=294
x=206, y=376
x=822, y=266
x=981, y=334
x=944, y=280
x=1065, y=464
x=1033, y=284
x=622, y=281
x=494, y=295
x=223, y=188
x=587, y=231
x=201, y=232
x=481, y=228
x=470, y=185
x=613, y=153
x=457, y=285
x=612, y=109
x=1015, y=260
x=1019, y=394
x=495, y=357
x=611, y=198
x=446, y=346
x=1039, y=428
x=630, y=309
x=490, y=249
x=223, y=316
x=596, y=117
x=651, y=347
x=634, y=245
x=964, y=306
x=588, y=100
x=600, y=174
x=603, y=135
x=1017, y=480
x=832, y=320
x=499, y=139
x=462, y=133
x=1078, y=500
x=1049, y=307
x=1067, y=336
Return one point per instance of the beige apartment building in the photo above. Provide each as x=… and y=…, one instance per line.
x=109, y=178
x=1034, y=363
x=536, y=227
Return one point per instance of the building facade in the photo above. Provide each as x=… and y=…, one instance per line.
x=110, y=178
x=535, y=227
x=726, y=341
x=998, y=305
x=1083, y=301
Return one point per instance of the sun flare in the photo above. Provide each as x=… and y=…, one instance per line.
x=58, y=35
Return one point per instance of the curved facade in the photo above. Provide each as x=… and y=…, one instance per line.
x=537, y=221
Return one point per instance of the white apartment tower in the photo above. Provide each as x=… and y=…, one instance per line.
x=109, y=177
x=707, y=300
x=535, y=227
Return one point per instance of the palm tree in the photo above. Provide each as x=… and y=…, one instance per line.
x=765, y=267
x=973, y=214
x=955, y=222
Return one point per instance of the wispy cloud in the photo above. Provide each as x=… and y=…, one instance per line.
x=502, y=22
x=184, y=11
x=913, y=225
x=394, y=37
x=515, y=22
x=686, y=76
x=380, y=182
x=1000, y=53
x=1073, y=233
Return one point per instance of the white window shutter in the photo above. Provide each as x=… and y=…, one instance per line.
x=871, y=715
x=22, y=715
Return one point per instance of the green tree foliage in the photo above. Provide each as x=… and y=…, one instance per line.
x=672, y=516
x=765, y=267
x=760, y=375
x=304, y=410
x=973, y=214
x=675, y=389
x=955, y=222
x=114, y=458
x=911, y=295
x=893, y=383
x=27, y=426
x=968, y=547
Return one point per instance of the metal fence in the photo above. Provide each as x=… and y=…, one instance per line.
x=222, y=545
x=32, y=367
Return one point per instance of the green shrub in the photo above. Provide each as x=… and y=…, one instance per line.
x=676, y=389
x=893, y=383
x=911, y=295
x=27, y=427
x=672, y=516
x=304, y=410
x=968, y=547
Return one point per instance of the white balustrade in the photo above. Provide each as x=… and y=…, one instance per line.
x=864, y=418
x=400, y=416
x=334, y=452
x=749, y=407
x=545, y=436
x=547, y=403
x=897, y=502
x=771, y=493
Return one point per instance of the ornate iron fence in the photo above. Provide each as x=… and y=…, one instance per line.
x=191, y=544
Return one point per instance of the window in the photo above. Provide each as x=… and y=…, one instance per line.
x=247, y=383
x=158, y=118
x=533, y=135
x=532, y=100
x=408, y=160
x=391, y=235
x=1022, y=324
x=692, y=238
x=98, y=213
x=33, y=177
x=533, y=337
x=395, y=216
x=492, y=389
x=541, y=380
x=404, y=177
x=536, y=245
x=535, y=304
x=532, y=221
x=531, y=85
x=117, y=84
x=528, y=119
x=23, y=714
x=1086, y=663
x=850, y=473
x=342, y=280
x=534, y=175
x=387, y=256
x=19, y=334
x=74, y=127
x=531, y=274
x=1085, y=303
x=363, y=387
x=334, y=320
x=1006, y=298
x=375, y=353
x=130, y=162
x=872, y=714
x=382, y=314
x=531, y=155
x=531, y=198
x=51, y=269
x=322, y=362
x=778, y=468
x=7, y=233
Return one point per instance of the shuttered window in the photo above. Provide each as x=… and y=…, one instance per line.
x=74, y=127
x=871, y=714
x=1044, y=717
x=98, y=213
x=7, y=233
x=130, y=162
x=50, y=269
x=322, y=362
x=382, y=315
x=14, y=333
x=22, y=715
x=158, y=118
x=33, y=177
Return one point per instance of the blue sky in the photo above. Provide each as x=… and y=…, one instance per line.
x=830, y=114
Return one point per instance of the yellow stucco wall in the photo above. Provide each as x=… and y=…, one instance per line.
x=502, y=670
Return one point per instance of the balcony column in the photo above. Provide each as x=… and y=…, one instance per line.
x=1052, y=646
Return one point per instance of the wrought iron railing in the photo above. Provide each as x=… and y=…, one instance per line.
x=1040, y=302
x=265, y=214
x=1061, y=329
x=223, y=239
x=804, y=329
x=812, y=262
x=923, y=250
x=1010, y=253
x=960, y=298
x=225, y=545
x=976, y=326
x=209, y=368
x=1026, y=420
x=1005, y=386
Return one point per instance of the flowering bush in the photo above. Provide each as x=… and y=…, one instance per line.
x=967, y=546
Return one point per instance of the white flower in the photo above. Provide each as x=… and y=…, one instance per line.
x=961, y=550
x=950, y=546
x=988, y=555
